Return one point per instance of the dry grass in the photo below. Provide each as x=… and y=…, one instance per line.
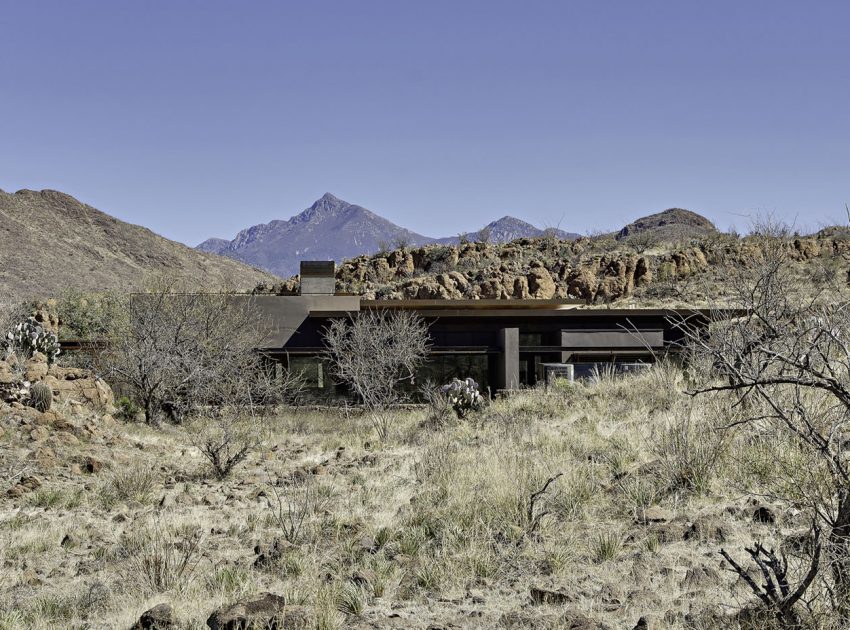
x=431, y=526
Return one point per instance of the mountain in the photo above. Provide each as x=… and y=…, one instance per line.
x=508, y=229
x=333, y=229
x=49, y=242
x=668, y=225
x=330, y=229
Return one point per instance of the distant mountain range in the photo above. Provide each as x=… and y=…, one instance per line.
x=50, y=242
x=333, y=229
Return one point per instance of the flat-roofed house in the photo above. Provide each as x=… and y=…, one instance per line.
x=502, y=344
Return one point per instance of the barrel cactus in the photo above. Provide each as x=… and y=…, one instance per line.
x=463, y=396
x=41, y=397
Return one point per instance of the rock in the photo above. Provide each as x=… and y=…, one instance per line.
x=267, y=612
x=765, y=515
x=69, y=541
x=540, y=284
x=36, y=367
x=160, y=617
x=520, y=288
x=38, y=434
x=706, y=528
x=30, y=578
x=700, y=578
x=547, y=596
x=368, y=544
x=654, y=514
x=491, y=290
x=365, y=578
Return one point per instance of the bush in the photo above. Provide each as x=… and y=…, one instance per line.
x=88, y=315
x=165, y=558
x=226, y=438
x=127, y=409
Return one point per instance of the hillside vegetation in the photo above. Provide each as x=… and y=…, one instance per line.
x=50, y=242
x=433, y=528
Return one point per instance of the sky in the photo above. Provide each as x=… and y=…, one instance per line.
x=200, y=118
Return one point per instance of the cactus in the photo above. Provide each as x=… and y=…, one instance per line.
x=41, y=397
x=30, y=337
x=463, y=396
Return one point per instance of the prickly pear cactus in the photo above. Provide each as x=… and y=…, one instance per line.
x=30, y=337
x=41, y=397
x=463, y=396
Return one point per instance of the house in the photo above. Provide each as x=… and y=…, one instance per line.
x=502, y=344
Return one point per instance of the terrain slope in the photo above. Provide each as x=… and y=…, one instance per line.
x=50, y=242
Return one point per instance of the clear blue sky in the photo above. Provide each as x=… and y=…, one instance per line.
x=199, y=118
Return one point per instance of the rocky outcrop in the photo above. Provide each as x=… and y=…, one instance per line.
x=267, y=612
x=596, y=270
x=71, y=385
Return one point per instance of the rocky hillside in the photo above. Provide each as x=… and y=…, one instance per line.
x=505, y=230
x=333, y=229
x=50, y=242
x=600, y=270
x=672, y=224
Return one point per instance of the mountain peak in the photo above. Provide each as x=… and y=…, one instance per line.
x=670, y=222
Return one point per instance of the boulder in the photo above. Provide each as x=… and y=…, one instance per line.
x=36, y=367
x=160, y=617
x=540, y=284
x=266, y=612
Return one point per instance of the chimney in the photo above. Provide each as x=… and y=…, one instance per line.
x=318, y=277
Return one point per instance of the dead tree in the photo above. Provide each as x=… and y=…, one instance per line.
x=776, y=592
x=374, y=352
x=176, y=350
x=783, y=358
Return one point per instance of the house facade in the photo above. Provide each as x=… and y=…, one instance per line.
x=502, y=344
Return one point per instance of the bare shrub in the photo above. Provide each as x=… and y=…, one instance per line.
x=175, y=350
x=293, y=505
x=440, y=411
x=689, y=452
x=375, y=352
x=782, y=359
x=227, y=436
x=165, y=558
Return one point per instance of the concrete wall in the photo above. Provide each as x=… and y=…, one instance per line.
x=508, y=364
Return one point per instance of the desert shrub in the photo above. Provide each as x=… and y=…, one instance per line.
x=463, y=396
x=128, y=410
x=133, y=483
x=689, y=451
x=440, y=412
x=165, y=558
x=293, y=505
x=88, y=316
x=351, y=599
x=175, y=351
x=375, y=352
x=606, y=546
x=226, y=437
